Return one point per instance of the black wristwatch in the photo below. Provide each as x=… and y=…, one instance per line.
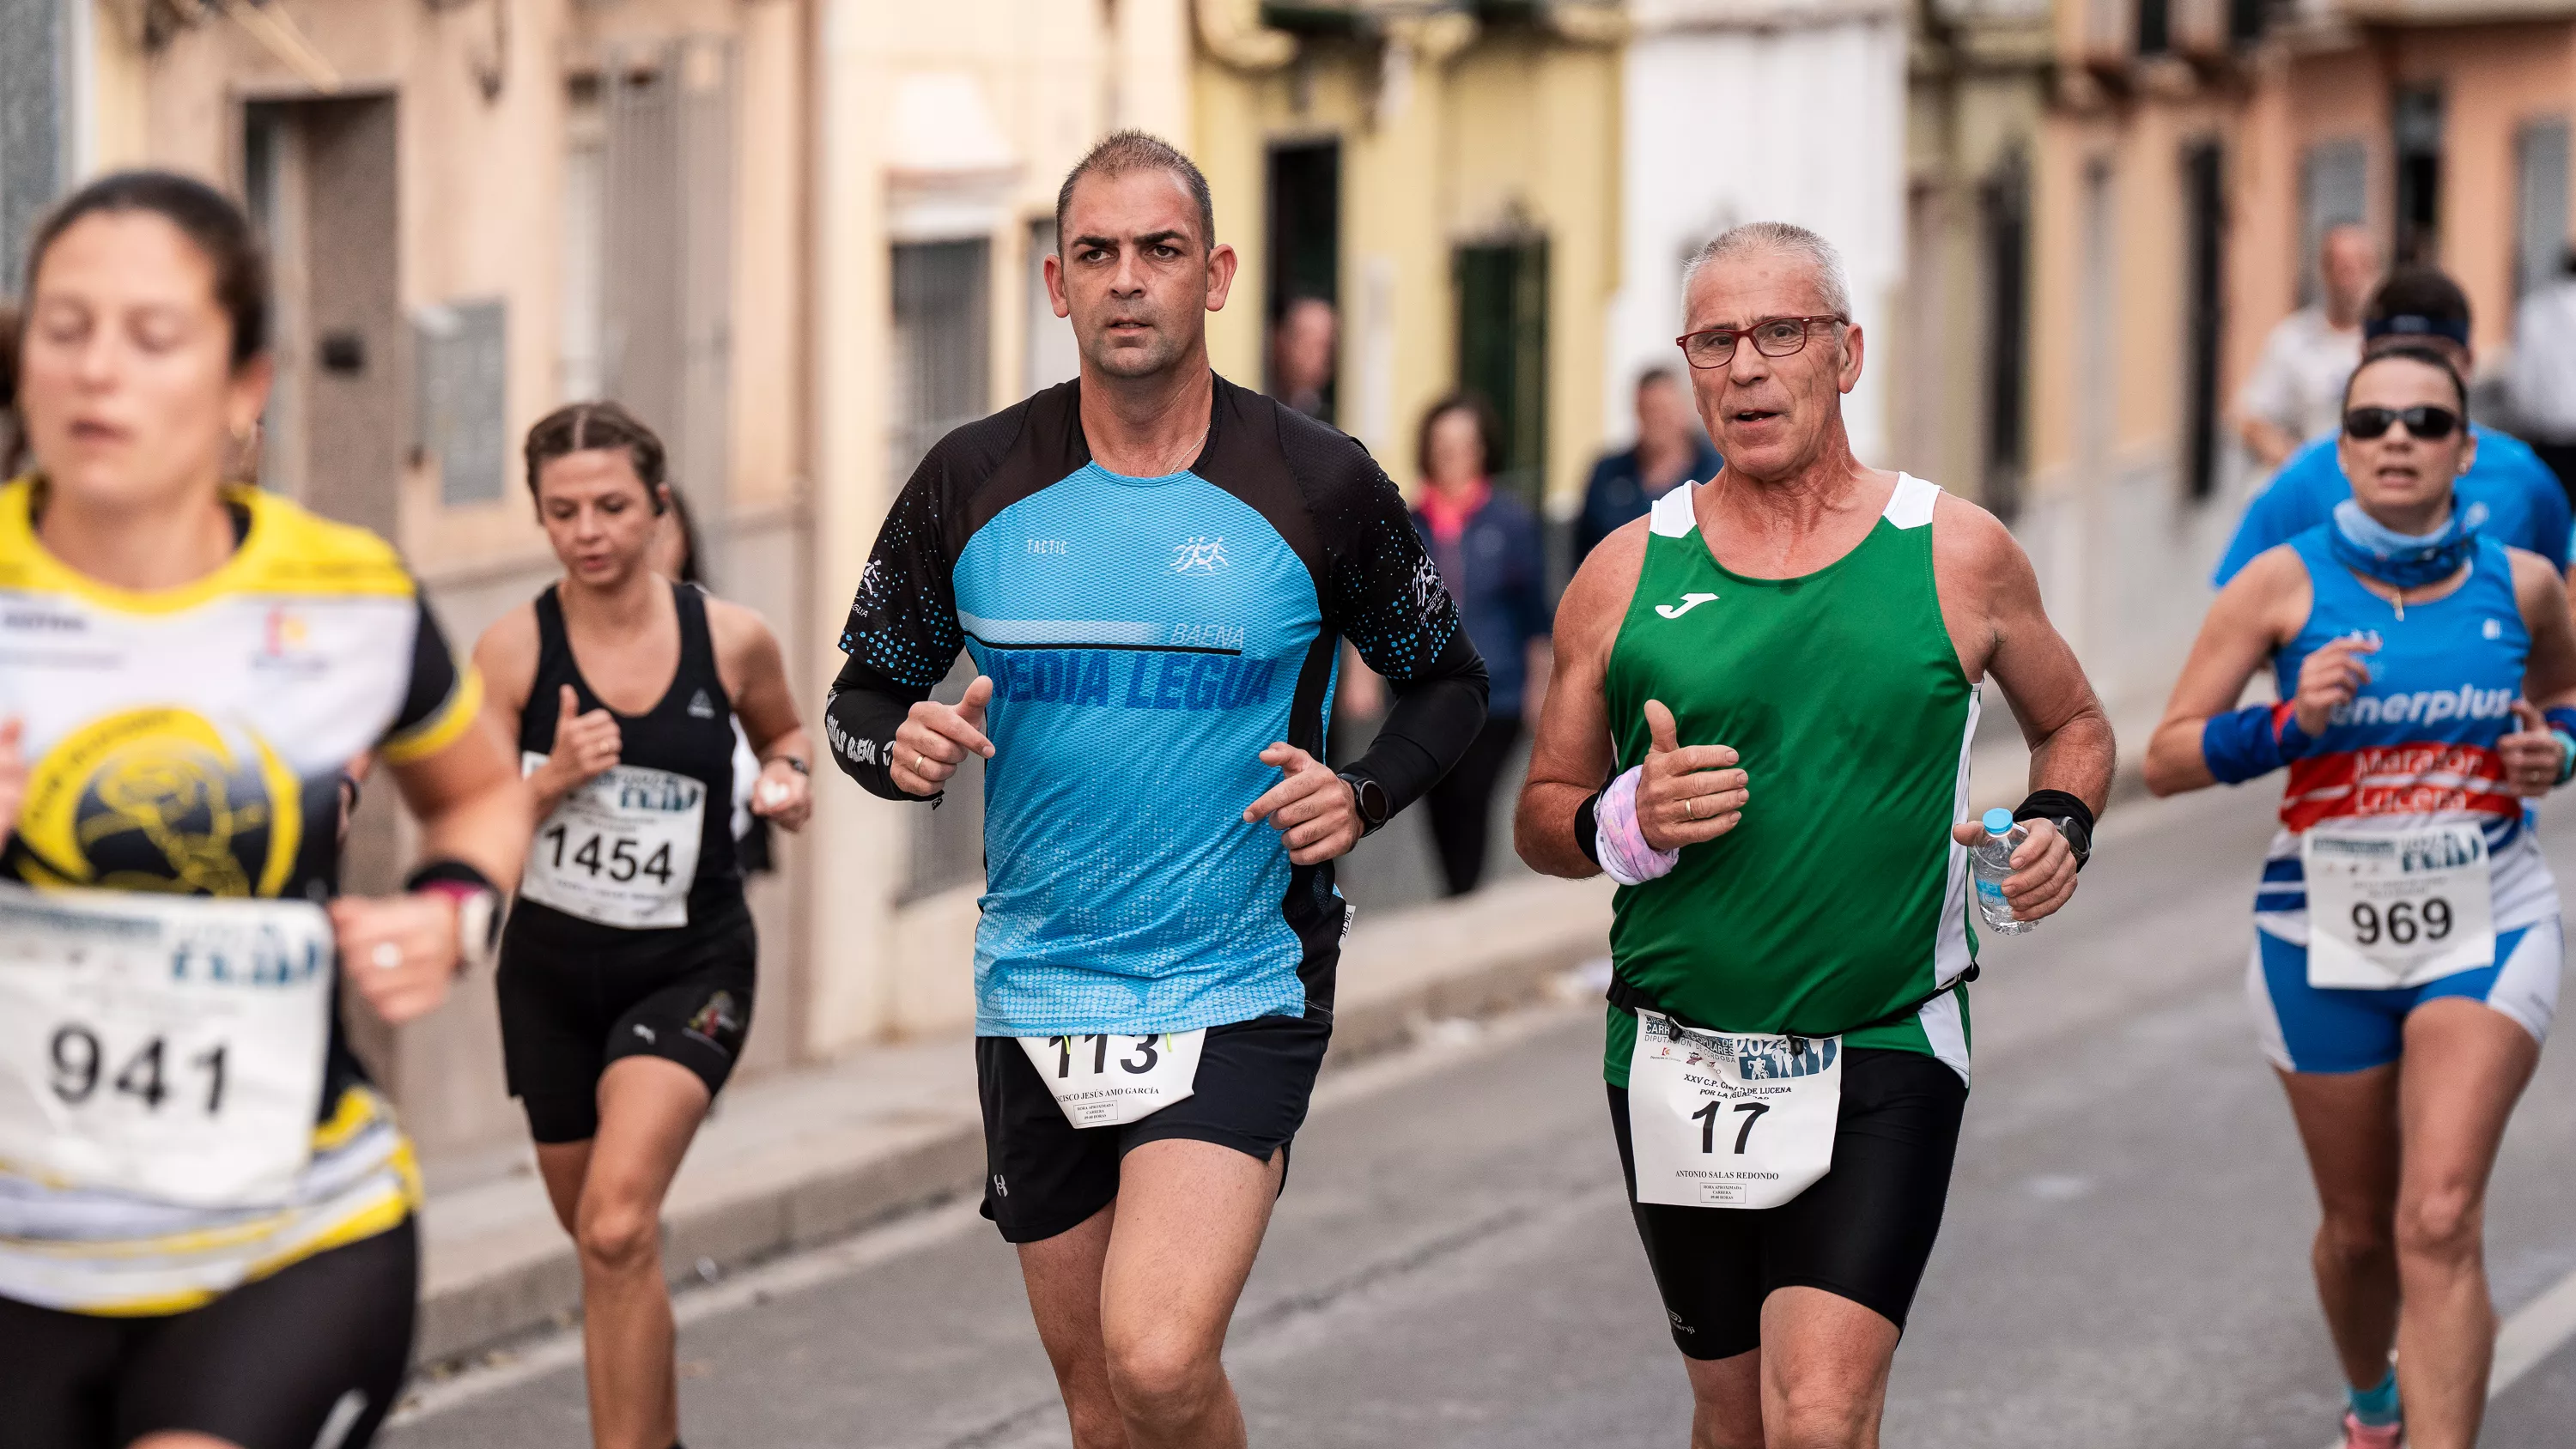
x=1370, y=797
x=2068, y=813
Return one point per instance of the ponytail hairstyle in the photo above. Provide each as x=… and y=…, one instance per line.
x=582, y=426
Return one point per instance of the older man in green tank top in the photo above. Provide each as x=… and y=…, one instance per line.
x=1779, y=673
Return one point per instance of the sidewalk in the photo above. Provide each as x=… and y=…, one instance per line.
x=799, y=1159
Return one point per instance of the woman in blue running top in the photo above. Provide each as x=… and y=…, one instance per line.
x=2405, y=913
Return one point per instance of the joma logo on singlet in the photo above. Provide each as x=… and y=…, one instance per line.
x=1688, y=603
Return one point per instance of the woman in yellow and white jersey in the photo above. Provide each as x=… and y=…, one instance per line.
x=206, y=1229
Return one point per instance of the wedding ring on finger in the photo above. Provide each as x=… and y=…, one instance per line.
x=386, y=956
x=1690, y=806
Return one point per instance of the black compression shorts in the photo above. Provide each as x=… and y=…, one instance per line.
x=311, y=1355
x=567, y=1013
x=1044, y=1176
x=1864, y=1231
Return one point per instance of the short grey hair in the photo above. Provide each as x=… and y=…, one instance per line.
x=1779, y=236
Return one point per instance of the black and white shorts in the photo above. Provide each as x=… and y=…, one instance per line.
x=1864, y=1231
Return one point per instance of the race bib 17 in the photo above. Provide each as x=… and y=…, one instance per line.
x=1730, y=1119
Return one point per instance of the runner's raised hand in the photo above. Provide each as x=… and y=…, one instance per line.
x=1312, y=808
x=400, y=952
x=935, y=739
x=2532, y=754
x=1686, y=794
x=585, y=744
x=2329, y=679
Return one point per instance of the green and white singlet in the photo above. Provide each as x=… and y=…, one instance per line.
x=1839, y=898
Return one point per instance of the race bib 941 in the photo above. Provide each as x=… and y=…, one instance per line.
x=622, y=850
x=166, y=1046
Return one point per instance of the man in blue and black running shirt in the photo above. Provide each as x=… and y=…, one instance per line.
x=1153, y=570
x=2508, y=493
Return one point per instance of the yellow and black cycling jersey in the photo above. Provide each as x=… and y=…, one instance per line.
x=186, y=746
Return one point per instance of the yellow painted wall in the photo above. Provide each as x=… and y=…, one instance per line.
x=1517, y=123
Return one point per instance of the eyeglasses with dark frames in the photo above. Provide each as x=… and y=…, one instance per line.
x=1772, y=337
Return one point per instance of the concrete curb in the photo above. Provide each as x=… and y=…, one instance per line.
x=797, y=1162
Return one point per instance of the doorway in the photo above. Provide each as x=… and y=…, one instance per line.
x=1304, y=244
x=319, y=177
x=1502, y=351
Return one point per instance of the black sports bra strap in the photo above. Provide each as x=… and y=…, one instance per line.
x=697, y=639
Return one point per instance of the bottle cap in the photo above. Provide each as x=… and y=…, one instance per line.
x=1998, y=821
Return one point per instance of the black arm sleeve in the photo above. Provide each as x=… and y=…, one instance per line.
x=902, y=636
x=860, y=717
x=1386, y=597
x=1435, y=715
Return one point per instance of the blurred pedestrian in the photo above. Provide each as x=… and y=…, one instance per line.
x=1490, y=553
x=1671, y=448
x=2542, y=376
x=2507, y=494
x=1302, y=346
x=2296, y=388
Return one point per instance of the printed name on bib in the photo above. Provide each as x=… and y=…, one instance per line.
x=1107, y=1080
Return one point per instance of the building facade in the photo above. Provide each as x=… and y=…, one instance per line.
x=1447, y=178
x=2193, y=154
x=1761, y=110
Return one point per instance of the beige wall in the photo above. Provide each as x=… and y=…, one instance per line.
x=2123, y=552
x=1475, y=130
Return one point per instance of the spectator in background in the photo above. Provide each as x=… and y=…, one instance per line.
x=1488, y=548
x=1670, y=449
x=2508, y=493
x=2542, y=376
x=2296, y=392
x=1302, y=346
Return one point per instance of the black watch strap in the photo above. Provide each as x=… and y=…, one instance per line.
x=2072, y=817
x=1370, y=797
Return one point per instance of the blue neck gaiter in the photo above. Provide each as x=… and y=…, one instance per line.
x=2408, y=561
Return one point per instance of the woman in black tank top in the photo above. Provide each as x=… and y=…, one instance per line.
x=629, y=963
x=688, y=733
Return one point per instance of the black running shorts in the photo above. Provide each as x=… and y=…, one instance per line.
x=567, y=1013
x=1864, y=1231
x=1044, y=1176
x=310, y=1355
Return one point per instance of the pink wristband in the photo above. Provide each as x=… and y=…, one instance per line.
x=1625, y=855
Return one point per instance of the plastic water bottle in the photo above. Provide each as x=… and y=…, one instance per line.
x=1990, y=862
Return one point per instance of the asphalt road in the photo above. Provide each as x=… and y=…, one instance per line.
x=2123, y=1262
